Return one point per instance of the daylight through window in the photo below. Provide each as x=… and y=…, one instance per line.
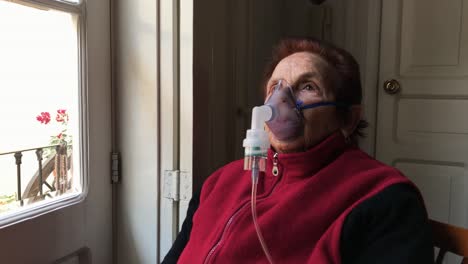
x=40, y=84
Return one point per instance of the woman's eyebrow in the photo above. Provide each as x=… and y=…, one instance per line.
x=306, y=76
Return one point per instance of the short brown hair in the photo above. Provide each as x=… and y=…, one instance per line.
x=347, y=89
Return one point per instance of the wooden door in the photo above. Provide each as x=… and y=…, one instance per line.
x=422, y=122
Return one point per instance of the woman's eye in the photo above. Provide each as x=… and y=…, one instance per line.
x=309, y=87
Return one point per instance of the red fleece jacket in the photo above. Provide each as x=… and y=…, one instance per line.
x=300, y=212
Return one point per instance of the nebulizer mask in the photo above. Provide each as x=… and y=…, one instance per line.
x=283, y=114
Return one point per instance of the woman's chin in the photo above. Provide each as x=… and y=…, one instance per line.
x=287, y=146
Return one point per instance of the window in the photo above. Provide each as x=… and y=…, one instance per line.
x=41, y=89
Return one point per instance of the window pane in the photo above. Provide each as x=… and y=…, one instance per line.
x=39, y=88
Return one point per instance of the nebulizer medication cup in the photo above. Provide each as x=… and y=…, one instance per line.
x=256, y=143
x=256, y=146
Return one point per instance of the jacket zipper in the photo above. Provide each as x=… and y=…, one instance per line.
x=229, y=222
x=231, y=219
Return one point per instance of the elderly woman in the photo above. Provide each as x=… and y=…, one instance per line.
x=321, y=199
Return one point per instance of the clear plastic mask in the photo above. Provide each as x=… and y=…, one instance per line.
x=287, y=122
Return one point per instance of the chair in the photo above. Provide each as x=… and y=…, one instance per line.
x=450, y=238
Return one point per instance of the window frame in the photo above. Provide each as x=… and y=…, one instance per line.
x=43, y=207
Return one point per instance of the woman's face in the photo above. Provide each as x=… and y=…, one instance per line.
x=307, y=74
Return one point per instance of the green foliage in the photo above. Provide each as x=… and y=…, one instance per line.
x=7, y=198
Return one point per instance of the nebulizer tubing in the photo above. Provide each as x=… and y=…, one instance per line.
x=256, y=146
x=253, y=200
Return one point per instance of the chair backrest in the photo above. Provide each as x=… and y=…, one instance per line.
x=450, y=238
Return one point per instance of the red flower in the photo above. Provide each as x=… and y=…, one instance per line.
x=62, y=115
x=59, y=136
x=44, y=118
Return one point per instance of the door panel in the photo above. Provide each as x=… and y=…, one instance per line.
x=423, y=129
x=81, y=231
x=433, y=38
x=138, y=137
x=432, y=119
x=438, y=184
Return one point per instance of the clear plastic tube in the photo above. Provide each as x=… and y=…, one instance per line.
x=255, y=172
x=256, y=146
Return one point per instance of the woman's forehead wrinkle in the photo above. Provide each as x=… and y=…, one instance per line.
x=294, y=66
x=285, y=70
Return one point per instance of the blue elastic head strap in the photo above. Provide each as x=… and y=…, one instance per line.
x=300, y=106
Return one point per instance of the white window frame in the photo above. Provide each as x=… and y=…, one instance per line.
x=65, y=200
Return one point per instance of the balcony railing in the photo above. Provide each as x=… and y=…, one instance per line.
x=57, y=165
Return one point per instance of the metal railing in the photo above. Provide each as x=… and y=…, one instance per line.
x=58, y=163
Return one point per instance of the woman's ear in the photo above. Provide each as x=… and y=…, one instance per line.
x=352, y=120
